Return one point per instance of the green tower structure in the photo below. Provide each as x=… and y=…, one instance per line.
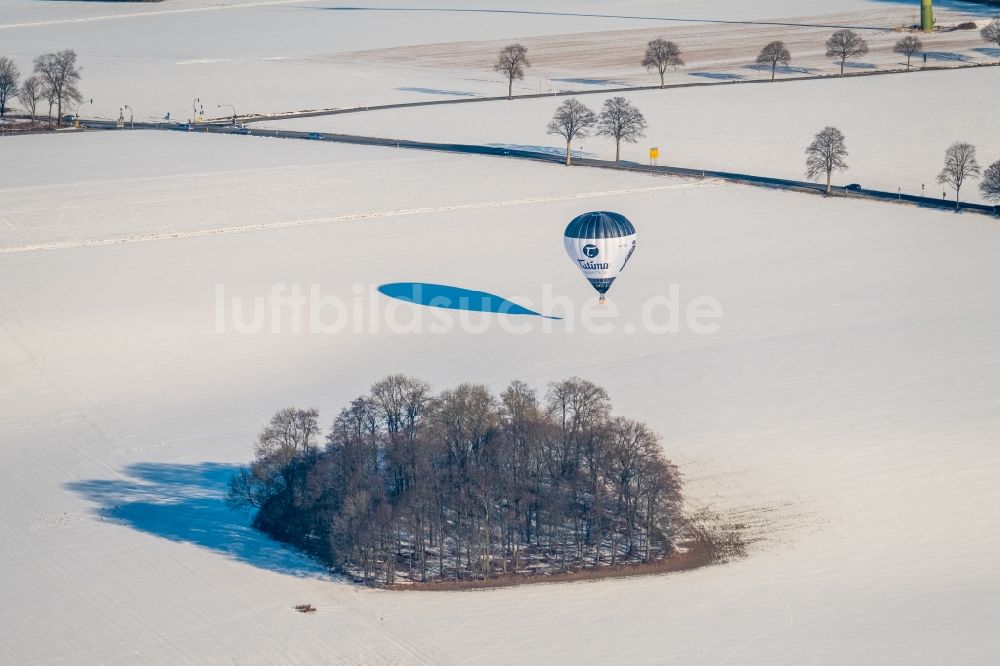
x=926, y=15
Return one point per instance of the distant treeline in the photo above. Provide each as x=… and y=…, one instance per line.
x=410, y=485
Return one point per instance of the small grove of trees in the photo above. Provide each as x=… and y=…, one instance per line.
x=464, y=484
x=572, y=120
x=989, y=186
x=511, y=62
x=662, y=55
x=59, y=75
x=9, y=76
x=959, y=166
x=844, y=45
x=774, y=54
x=991, y=31
x=908, y=46
x=621, y=121
x=825, y=154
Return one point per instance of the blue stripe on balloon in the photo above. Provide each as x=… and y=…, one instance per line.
x=601, y=284
x=598, y=225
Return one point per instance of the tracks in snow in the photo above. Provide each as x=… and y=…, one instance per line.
x=194, y=233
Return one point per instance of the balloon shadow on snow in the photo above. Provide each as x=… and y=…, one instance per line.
x=186, y=503
x=454, y=298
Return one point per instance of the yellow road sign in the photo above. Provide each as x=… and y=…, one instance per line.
x=654, y=153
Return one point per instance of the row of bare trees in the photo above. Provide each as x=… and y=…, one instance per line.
x=619, y=119
x=464, y=484
x=663, y=55
x=828, y=153
x=54, y=80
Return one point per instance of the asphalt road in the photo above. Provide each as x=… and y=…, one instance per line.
x=746, y=179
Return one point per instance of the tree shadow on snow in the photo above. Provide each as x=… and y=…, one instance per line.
x=986, y=51
x=860, y=65
x=186, y=503
x=438, y=91
x=593, y=82
x=718, y=76
x=967, y=7
x=547, y=150
x=782, y=69
x=946, y=56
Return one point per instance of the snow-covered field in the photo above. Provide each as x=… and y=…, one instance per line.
x=281, y=55
x=850, y=399
x=847, y=407
x=113, y=187
x=897, y=127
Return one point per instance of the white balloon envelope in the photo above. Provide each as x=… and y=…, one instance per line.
x=600, y=244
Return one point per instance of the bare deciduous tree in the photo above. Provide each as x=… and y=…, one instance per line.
x=908, y=46
x=662, y=55
x=991, y=32
x=60, y=74
x=774, y=54
x=511, y=61
x=572, y=120
x=49, y=94
x=959, y=166
x=845, y=44
x=9, y=76
x=990, y=185
x=30, y=93
x=622, y=121
x=825, y=154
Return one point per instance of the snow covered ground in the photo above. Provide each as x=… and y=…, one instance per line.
x=851, y=398
x=280, y=55
x=897, y=127
x=848, y=404
x=116, y=186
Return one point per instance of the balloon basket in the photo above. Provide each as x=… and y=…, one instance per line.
x=603, y=300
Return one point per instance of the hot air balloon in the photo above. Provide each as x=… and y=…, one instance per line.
x=600, y=244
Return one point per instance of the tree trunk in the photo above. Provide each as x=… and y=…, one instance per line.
x=958, y=191
x=662, y=83
x=618, y=150
x=774, y=66
x=829, y=187
x=59, y=111
x=510, y=88
x=908, y=62
x=568, y=153
x=844, y=60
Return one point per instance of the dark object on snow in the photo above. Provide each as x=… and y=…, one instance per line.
x=305, y=608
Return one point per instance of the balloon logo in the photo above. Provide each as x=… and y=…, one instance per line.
x=600, y=244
